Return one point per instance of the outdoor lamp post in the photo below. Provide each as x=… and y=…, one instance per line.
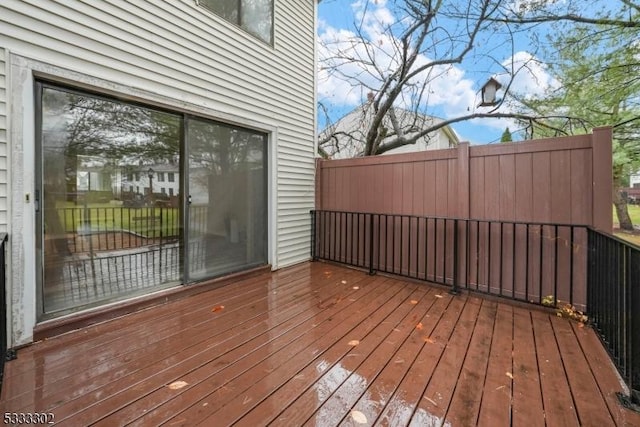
x=150, y=172
x=489, y=91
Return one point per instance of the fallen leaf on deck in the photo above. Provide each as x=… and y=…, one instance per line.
x=438, y=296
x=429, y=340
x=419, y=326
x=177, y=385
x=356, y=287
x=510, y=375
x=430, y=400
x=414, y=302
x=217, y=308
x=359, y=417
x=580, y=325
x=354, y=342
x=344, y=282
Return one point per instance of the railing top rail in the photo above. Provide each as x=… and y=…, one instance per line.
x=451, y=218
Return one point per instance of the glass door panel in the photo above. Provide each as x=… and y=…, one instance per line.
x=108, y=230
x=227, y=213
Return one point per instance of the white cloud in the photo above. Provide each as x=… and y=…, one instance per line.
x=450, y=93
x=530, y=76
x=347, y=83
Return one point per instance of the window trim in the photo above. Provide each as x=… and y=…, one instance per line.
x=238, y=24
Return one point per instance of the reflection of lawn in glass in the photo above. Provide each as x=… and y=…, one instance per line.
x=105, y=217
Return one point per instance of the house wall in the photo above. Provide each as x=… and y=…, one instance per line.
x=559, y=181
x=170, y=54
x=4, y=123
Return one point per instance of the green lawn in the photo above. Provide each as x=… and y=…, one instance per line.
x=147, y=221
x=634, y=213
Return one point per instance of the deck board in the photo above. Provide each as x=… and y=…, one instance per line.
x=498, y=386
x=281, y=352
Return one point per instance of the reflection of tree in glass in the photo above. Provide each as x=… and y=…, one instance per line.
x=224, y=8
x=221, y=149
x=257, y=18
x=81, y=131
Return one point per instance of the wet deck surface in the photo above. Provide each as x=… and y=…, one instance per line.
x=318, y=344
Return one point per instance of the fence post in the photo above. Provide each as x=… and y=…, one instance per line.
x=602, y=215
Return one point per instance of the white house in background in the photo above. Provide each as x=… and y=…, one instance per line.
x=634, y=180
x=228, y=97
x=350, y=133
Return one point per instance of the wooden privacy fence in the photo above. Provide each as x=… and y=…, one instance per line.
x=559, y=180
x=521, y=211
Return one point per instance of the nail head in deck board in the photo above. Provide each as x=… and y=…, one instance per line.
x=296, y=294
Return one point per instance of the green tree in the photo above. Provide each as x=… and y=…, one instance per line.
x=599, y=73
x=506, y=136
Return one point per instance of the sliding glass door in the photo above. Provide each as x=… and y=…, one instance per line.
x=132, y=199
x=227, y=183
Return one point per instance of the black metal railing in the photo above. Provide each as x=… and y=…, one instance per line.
x=3, y=306
x=540, y=263
x=614, y=305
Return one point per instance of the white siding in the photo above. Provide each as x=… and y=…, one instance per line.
x=178, y=55
x=3, y=140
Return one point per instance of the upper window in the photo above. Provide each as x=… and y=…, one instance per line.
x=253, y=16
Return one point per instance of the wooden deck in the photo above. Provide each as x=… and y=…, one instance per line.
x=318, y=344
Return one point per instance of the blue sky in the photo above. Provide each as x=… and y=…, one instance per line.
x=453, y=96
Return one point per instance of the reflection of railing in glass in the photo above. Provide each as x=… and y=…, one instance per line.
x=115, y=250
x=111, y=251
